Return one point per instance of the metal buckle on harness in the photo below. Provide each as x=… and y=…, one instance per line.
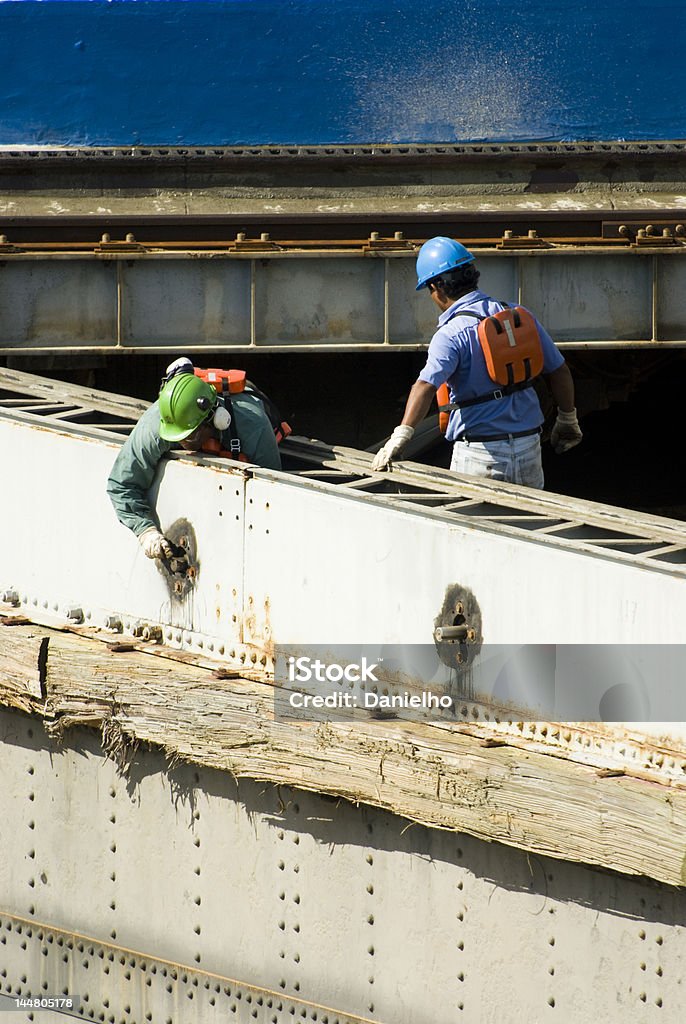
x=235, y=445
x=498, y=394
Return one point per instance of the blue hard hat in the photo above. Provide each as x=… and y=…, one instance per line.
x=438, y=256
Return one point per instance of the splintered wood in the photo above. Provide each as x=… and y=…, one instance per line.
x=441, y=777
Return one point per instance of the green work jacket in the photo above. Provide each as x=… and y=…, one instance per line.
x=134, y=468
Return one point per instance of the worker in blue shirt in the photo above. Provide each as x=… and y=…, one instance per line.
x=496, y=429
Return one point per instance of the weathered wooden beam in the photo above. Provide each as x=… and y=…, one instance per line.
x=23, y=657
x=438, y=777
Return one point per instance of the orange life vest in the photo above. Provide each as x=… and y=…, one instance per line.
x=511, y=346
x=222, y=381
x=233, y=382
x=512, y=349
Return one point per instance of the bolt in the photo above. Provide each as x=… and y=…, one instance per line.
x=666, y=233
x=130, y=237
x=178, y=587
x=264, y=237
x=680, y=230
x=451, y=633
x=533, y=233
x=3, y=239
x=240, y=237
x=105, y=238
x=190, y=572
x=650, y=229
x=459, y=608
x=75, y=614
x=624, y=231
x=146, y=632
x=114, y=623
x=374, y=236
x=508, y=234
x=641, y=232
x=399, y=236
x=151, y=633
x=11, y=597
x=183, y=542
x=471, y=636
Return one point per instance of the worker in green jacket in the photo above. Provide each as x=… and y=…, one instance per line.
x=190, y=414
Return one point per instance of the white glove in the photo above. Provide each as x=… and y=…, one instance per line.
x=395, y=444
x=154, y=544
x=566, y=433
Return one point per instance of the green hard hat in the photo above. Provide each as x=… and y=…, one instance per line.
x=185, y=402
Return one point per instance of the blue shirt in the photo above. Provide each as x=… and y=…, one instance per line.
x=455, y=356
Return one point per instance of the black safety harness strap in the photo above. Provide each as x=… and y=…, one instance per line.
x=234, y=439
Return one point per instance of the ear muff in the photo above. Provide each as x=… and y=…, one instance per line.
x=221, y=417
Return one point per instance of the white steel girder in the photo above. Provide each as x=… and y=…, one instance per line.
x=299, y=559
x=330, y=553
x=326, y=553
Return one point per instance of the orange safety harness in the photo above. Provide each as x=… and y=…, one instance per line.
x=513, y=352
x=233, y=382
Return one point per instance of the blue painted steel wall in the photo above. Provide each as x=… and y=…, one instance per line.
x=229, y=72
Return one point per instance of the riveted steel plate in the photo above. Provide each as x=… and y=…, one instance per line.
x=150, y=892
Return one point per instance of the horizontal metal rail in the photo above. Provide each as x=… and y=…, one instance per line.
x=654, y=235
x=263, y=296
x=345, y=152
